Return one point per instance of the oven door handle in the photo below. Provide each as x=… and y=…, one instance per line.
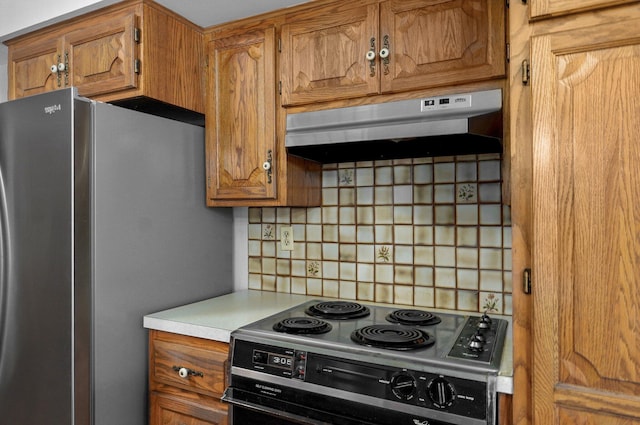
x=228, y=397
x=261, y=408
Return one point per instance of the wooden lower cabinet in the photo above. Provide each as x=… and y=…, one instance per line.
x=174, y=410
x=187, y=377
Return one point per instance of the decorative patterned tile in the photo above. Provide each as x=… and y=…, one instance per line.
x=346, y=177
x=466, y=193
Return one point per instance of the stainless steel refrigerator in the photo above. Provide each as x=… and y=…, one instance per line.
x=102, y=220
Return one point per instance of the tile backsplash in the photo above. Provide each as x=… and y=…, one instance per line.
x=428, y=232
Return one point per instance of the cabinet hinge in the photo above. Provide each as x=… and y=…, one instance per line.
x=280, y=88
x=136, y=66
x=136, y=35
x=526, y=72
x=526, y=281
x=508, y=51
x=279, y=45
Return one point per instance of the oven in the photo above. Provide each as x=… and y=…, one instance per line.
x=338, y=362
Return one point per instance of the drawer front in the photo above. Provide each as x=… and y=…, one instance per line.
x=203, y=368
x=174, y=411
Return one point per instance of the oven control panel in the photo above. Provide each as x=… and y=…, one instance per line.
x=424, y=390
x=480, y=340
x=272, y=360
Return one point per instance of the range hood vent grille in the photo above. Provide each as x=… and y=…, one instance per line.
x=460, y=124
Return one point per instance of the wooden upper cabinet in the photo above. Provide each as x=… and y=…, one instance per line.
x=343, y=51
x=550, y=8
x=438, y=43
x=30, y=69
x=102, y=55
x=241, y=128
x=586, y=222
x=133, y=49
x=324, y=57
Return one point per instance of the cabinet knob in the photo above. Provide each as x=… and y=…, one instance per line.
x=266, y=165
x=61, y=67
x=54, y=69
x=371, y=55
x=185, y=372
x=384, y=53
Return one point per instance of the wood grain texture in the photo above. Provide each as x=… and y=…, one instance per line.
x=244, y=123
x=102, y=52
x=194, y=400
x=431, y=44
x=323, y=57
x=442, y=43
x=170, y=410
x=586, y=180
x=520, y=147
x=29, y=66
x=242, y=118
x=541, y=9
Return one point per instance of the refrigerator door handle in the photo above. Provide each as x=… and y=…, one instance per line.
x=4, y=263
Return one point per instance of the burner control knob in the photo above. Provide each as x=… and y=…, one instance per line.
x=403, y=386
x=484, y=322
x=441, y=392
x=477, y=341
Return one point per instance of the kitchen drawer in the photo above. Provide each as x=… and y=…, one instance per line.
x=205, y=359
x=167, y=410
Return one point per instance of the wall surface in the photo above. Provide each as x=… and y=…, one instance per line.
x=429, y=232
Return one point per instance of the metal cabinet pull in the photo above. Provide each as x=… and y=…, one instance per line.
x=371, y=57
x=266, y=166
x=384, y=54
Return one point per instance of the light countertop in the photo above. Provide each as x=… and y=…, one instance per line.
x=217, y=317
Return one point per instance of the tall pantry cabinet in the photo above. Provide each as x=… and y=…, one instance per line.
x=576, y=163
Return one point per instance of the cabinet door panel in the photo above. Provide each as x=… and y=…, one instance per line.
x=241, y=99
x=30, y=68
x=324, y=58
x=435, y=43
x=586, y=186
x=101, y=55
x=541, y=8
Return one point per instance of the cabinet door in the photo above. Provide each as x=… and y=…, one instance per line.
x=436, y=43
x=325, y=57
x=542, y=8
x=586, y=244
x=172, y=410
x=30, y=65
x=102, y=54
x=241, y=127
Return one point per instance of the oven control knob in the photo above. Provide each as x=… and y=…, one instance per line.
x=403, y=386
x=484, y=322
x=441, y=392
x=477, y=342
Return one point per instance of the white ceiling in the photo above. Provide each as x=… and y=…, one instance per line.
x=206, y=13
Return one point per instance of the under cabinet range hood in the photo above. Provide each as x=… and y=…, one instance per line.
x=458, y=124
